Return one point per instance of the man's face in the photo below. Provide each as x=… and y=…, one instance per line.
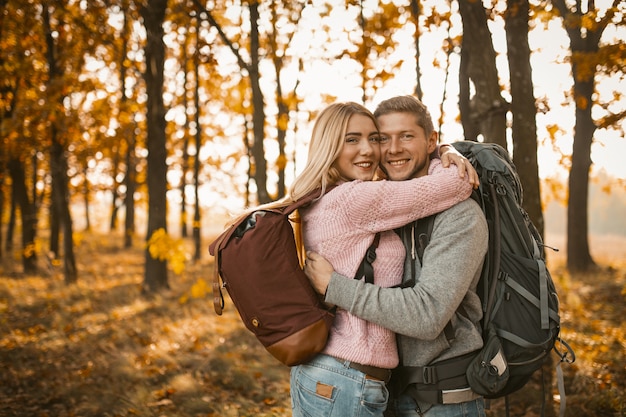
x=404, y=147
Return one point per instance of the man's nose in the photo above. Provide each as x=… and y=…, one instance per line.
x=394, y=145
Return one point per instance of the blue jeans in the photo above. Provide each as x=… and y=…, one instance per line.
x=325, y=387
x=405, y=406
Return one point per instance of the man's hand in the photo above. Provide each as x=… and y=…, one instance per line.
x=318, y=270
x=449, y=154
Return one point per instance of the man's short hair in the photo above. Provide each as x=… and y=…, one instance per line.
x=407, y=104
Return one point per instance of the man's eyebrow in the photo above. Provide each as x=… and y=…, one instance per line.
x=399, y=132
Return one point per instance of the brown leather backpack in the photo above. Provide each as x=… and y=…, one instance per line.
x=258, y=263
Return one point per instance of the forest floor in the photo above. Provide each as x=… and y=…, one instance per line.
x=101, y=348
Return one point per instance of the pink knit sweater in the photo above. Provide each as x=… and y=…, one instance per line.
x=341, y=226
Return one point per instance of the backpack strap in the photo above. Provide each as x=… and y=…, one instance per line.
x=366, y=269
x=307, y=199
x=423, y=232
x=448, y=374
x=218, y=296
x=493, y=262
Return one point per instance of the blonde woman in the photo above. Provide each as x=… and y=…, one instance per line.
x=348, y=378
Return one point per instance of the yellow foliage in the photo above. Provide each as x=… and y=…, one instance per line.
x=78, y=238
x=165, y=248
x=283, y=122
x=552, y=130
x=29, y=250
x=199, y=289
x=281, y=161
x=588, y=21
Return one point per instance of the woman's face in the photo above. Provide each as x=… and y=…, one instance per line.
x=360, y=153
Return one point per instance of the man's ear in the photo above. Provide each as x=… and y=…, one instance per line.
x=432, y=141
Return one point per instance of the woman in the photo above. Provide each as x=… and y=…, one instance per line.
x=348, y=377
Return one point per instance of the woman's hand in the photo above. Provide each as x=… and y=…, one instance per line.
x=449, y=154
x=319, y=271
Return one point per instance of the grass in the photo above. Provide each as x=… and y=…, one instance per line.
x=101, y=348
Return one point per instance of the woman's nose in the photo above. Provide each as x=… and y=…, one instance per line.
x=367, y=147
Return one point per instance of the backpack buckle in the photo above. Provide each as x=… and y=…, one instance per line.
x=428, y=375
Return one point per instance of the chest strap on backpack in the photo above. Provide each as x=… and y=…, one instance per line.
x=446, y=375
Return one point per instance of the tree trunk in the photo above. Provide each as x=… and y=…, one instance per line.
x=184, y=232
x=58, y=165
x=198, y=144
x=524, y=130
x=584, y=44
x=36, y=197
x=487, y=108
x=578, y=253
x=19, y=194
x=470, y=127
x=196, y=212
x=183, y=181
x=153, y=14
x=282, y=122
x=258, y=116
x=130, y=181
x=129, y=133
x=11, y=226
x=416, y=11
x=86, y=199
x=2, y=199
x=60, y=199
x=115, y=205
x=55, y=224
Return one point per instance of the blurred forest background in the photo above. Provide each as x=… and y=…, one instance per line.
x=130, y=129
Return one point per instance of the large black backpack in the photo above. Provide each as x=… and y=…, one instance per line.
x=521, y=322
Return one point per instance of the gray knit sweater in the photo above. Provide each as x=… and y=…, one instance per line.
x=452, y=265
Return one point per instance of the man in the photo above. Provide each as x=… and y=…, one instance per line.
x=436, y=313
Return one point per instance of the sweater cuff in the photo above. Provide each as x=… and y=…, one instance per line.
x=340, y=290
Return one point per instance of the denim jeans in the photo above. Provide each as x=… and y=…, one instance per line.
x=325, y=387
x=405, y=406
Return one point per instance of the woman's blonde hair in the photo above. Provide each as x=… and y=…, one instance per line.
x=326, y=143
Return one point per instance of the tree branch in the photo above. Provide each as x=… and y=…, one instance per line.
x=201, y=9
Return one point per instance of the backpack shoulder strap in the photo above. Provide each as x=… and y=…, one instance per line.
x=307, y=199
x=423, y=232
x=366, y=269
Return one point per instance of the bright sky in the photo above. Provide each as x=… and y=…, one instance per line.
x=551, y=76
x=340, y=78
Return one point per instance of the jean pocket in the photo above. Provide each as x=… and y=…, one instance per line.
x=310, y=394
x=375, y=396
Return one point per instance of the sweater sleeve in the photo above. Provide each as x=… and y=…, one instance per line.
x=452, y=261
x=384, y=205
